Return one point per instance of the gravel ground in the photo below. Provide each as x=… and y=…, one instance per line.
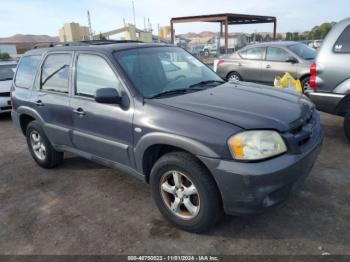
x=84, y=208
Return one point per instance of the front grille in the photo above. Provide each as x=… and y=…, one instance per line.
x=302, y=130
x=5, y=94
x=6, y=108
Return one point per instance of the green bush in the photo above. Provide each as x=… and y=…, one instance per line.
x=4, y=56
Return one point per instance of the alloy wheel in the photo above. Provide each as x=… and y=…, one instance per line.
x=180, y=195
x=38, y=145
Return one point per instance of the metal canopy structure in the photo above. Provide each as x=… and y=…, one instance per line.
x=225, y=20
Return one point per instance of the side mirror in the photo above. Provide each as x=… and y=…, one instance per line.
x=108, y=96
x=292, y=60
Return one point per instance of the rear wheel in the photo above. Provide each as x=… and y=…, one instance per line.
x=305, y=84
x=234, y=76
x=40, y=147
x=347, y=125
x=185, y=192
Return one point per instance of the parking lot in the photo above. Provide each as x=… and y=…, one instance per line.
x=84, y=208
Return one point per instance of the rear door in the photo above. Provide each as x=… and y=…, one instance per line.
x=250, y=66
x=103, y=130
x=51, y=97
x=276, y=65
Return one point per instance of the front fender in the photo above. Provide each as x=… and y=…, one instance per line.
x=158, y=138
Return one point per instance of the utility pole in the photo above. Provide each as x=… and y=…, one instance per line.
x=133, y=12
x=90, y=28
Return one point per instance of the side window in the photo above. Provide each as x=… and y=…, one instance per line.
x=26, y=71
x=342, y=45
x=93, y=73
x=277, y=54
x=255, y=53
x=55, y=73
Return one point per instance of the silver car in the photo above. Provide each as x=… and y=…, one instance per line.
x=263, y=62
x=6, y=75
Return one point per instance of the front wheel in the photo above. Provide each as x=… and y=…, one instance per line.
x=185, y=193
x=347, y=125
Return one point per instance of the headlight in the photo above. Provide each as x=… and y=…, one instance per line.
x=256, y=145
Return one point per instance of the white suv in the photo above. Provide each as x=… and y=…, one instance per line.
x=7, y=70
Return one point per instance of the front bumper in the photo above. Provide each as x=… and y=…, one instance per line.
x=5, y=105
x=249, y=188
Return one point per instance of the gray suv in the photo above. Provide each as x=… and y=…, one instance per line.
x=261, y=63
x=159, y=114
x=330, y=75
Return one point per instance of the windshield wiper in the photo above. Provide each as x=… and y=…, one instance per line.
x=203, y=83
x=175, y=92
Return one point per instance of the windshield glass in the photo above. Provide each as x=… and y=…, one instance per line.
x=303, y=51
x=157, y=70
x=7, y=72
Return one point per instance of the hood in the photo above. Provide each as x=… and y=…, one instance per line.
x=247, y=105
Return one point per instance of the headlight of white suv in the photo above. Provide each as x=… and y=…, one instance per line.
x=256, y=145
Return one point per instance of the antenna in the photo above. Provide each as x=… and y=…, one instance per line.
x=89, y=21
x=133, y=12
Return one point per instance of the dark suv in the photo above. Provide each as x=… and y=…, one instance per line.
x=158, y=113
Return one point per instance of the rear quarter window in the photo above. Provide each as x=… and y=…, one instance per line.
x=342, y=45
x=26, y=71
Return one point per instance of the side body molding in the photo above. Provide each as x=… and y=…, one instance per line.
x=159, y=138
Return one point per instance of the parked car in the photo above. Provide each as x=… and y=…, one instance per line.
x=330, y=75
x=262, y=62
x=7, y=70
x=316, y=44
x=216, y=45
x=158, y=113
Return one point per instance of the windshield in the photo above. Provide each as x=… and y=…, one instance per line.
x=7, y=72
x=163, y=70
x=303, y=51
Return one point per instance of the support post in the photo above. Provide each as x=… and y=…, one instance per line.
x=274, y=29
x=172, y=32
x=226, y=35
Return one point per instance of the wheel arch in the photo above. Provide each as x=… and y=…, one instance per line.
x=151, y=147
x=27, y=115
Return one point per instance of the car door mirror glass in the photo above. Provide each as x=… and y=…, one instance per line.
x=108, y=96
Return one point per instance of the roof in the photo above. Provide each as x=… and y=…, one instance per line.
x=93, y=47
x=232, y=18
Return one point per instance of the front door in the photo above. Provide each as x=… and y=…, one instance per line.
x=102, y=130
x=276, y=65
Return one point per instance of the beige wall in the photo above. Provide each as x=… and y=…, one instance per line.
x=71, y=32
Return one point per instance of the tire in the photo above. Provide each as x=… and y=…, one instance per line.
x=49, y=157
x=234, y=76
x=305, y=84
x=207, y=201
x=347, y=125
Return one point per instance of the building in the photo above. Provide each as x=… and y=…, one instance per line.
x=165, y=32
x=128, y=32
x=71, y=32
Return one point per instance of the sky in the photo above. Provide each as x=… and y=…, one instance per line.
x=46, y=17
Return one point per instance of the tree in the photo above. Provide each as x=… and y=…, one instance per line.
x=4, y=56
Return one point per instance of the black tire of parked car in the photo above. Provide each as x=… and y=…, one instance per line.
x=210, y=210
x=52, y=157
x=304, y=83
x=234, y=75
x=347, y=125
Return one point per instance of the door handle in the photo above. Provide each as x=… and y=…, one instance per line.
x=39, y=103
x=79, y=111
x=268, y=66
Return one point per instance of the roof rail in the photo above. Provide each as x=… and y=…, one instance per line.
x=84, y=43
